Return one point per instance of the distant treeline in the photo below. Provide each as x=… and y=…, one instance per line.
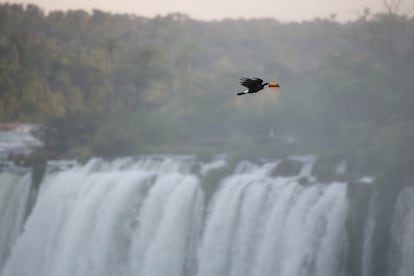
x=109, y=84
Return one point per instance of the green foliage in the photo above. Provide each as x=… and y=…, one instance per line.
x=110, y=85
x=63, y=134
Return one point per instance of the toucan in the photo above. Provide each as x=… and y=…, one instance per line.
x=255, y=85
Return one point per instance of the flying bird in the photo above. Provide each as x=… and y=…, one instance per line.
x=255, y=85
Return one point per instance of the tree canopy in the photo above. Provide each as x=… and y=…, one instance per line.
x=116, y=84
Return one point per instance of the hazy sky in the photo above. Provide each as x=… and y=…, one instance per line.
x=284, y=10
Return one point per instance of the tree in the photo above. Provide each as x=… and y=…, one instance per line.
x=397, y=7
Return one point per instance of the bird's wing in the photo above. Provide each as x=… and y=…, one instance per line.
x=249, y=83
x=258, y=81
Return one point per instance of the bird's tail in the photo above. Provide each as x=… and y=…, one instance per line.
x=242, y=93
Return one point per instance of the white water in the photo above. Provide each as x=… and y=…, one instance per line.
x=18, y=140
x=147, y=217
x=369, y=227
x=14, y=200
x=264, y=226
x=401, y=259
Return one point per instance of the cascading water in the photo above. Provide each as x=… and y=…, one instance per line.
x=86, y=219
x=259, y=225
x=369, y=228
x=149, y=217
x=402, y=236
x=15, y=198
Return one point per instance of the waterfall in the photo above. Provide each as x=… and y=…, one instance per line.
x=85, y=218
x=259, y=225
x=401, y=254
x=368, y=235
x=14, y=201
x=148, y=217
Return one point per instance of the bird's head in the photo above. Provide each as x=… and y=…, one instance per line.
x=273, y=84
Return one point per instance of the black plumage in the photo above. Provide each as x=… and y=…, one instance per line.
x=255, y=85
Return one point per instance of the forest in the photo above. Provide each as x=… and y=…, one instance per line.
x=108, y=85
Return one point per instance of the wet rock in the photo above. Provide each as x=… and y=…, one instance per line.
x=287, y=167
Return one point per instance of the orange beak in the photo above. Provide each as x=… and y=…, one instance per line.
x=273, y=84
